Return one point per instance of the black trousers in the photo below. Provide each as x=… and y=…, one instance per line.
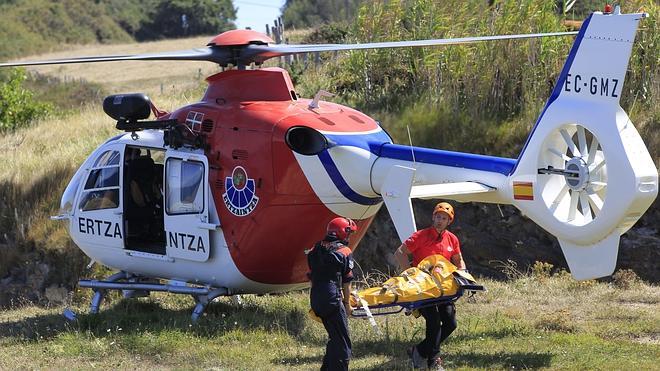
x=338, y=349
x=440, y=323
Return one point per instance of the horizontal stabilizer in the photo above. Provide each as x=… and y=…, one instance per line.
x=398, y=190
x=449, y=189
x=592, y=261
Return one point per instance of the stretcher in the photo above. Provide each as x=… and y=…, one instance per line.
x=433, y=281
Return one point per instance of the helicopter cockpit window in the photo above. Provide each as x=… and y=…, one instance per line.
x=69, y=196
x=184, y=191
x=102, y=185
x=101, y=178
x=107, y=158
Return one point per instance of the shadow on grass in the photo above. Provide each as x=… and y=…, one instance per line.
x=385, y=347
x=135, y=316
x=398, y=363
x=399, y=360
x=491, y=334
x=515, y=360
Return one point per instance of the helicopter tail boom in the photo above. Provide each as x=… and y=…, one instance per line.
x=585, y=174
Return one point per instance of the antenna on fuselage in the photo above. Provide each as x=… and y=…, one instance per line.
x=412, y=150
x=321, y=93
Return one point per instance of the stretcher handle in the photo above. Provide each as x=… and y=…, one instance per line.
x=359, y=313
x=473, y=287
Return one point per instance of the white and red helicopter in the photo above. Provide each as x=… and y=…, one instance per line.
x=196, y=201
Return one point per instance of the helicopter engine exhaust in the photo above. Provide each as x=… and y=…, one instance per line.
x=306, y=141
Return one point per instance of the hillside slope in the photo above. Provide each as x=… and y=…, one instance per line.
x=41, y=25
x=38, y=26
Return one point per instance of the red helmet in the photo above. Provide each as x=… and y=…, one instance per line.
x=341, y=228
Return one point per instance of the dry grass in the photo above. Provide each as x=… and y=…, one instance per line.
x=550, y=324
x=63, y=141
x=126, y=76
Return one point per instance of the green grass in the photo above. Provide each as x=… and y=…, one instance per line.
x=531, y=322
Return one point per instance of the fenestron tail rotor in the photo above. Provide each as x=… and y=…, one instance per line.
x=576, y=186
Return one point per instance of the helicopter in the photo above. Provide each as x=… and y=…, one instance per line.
x=190, y=202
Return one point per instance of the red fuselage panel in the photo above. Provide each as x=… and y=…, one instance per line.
x=251, y=111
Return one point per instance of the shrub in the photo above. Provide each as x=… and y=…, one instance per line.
x=510, y=269
x=625, y=279
x=9, y=257
x=307, y=13
x=333, y=33
x=17, y=106
x=557, y=321
x=542, y=270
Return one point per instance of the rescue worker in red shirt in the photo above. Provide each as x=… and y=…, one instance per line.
x=440, y=319
x=331, y=272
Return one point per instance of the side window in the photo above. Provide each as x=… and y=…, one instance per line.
x=102, y=185
x=184, y=191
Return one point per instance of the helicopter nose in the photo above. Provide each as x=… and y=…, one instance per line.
x=307, y=141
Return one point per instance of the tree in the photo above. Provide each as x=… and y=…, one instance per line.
x=17, y=106
x=185, y=18
x=313, y=13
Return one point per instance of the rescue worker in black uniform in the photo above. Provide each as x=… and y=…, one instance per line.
x=331, y=272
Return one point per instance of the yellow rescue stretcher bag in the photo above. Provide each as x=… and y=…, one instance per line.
x=434, y=277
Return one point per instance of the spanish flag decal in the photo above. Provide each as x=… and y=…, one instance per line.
x=523, y=191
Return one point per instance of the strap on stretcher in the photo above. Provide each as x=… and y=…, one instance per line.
x=398, y=307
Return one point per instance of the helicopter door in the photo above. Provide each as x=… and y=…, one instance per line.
x=98, y=217
x=186, y=206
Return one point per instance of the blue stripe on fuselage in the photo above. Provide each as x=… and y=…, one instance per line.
x=364, y=141
x=381, y=145
x=340, y=182
x=447, y=158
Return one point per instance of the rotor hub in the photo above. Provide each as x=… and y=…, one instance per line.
x=578, y=179
x=240, y=38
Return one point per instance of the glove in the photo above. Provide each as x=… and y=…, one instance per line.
x=348, y=308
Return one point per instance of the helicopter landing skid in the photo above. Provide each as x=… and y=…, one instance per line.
x=137, y=286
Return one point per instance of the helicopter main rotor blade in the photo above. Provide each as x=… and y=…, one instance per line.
x=210, y=54
x=260, y=53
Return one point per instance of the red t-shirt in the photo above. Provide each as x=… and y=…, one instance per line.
x=427, y=242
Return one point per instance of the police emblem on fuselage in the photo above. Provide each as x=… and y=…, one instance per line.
x=240, y=197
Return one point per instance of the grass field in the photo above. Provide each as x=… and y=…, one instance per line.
x=532, y=322
x=133, y=76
